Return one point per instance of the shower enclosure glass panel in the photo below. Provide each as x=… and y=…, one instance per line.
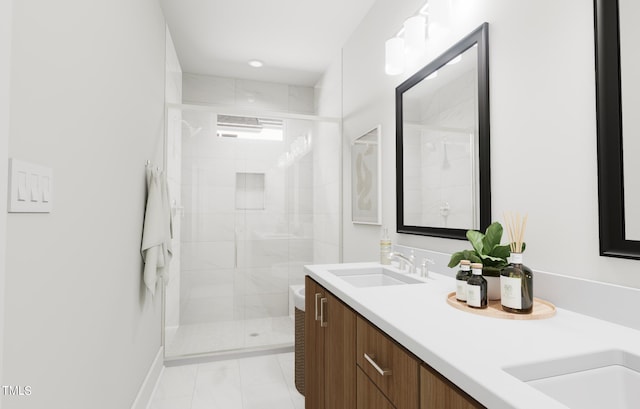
x=247, y=225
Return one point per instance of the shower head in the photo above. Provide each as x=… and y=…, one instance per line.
x=192, y=130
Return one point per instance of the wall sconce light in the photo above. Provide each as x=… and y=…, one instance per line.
x=394, y=56
x=414, y=33
x=408, y=44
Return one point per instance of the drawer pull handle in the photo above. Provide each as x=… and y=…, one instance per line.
x=323, y=302
x=318, y=295
x=373, y=363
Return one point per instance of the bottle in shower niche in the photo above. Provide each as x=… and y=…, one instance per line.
x=476, y=288
x=516, y=286
x=385, y=248
x=461, y=280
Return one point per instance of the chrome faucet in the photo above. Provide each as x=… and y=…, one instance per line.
x=404, y=260
x=424, y=272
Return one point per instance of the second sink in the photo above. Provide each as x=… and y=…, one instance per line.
x=607, y=379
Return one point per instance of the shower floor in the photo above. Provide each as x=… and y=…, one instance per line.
x=229, y=335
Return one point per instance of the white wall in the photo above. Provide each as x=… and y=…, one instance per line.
x=87, y=100
x=542, y=121
x=5, y=68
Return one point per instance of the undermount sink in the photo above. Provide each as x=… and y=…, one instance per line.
x=374, y=277
x=607, y=379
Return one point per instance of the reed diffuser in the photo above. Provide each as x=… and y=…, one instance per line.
x=516, y=279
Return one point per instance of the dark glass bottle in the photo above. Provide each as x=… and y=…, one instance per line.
x=476, y=288
x=516, y=286
x=461, y=280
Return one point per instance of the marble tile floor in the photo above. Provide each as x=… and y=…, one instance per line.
x=261, y=382
x=230, y=336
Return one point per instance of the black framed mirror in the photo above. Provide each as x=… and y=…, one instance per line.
x=617, y=87
x=443, y=171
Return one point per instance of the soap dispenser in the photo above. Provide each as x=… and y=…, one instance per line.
x=385, y=248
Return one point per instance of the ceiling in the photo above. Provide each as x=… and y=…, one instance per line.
x=296, y=39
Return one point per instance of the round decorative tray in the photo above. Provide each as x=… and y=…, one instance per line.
x=541, y=309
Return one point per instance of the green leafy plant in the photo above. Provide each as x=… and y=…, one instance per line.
x=486, y=250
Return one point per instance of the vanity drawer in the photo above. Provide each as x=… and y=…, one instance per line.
x=392, y=369
x=370, y=397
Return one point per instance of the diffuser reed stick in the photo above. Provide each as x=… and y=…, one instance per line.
x=516, y=226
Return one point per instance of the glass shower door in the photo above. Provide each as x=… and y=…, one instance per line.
x=246, y=231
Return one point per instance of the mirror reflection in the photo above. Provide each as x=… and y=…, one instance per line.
x=440, y=139
x=630, y=104
x=443, y=143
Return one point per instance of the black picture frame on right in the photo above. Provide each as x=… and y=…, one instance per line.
x=611, y=203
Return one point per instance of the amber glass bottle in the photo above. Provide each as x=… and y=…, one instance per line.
x=476, y=288
x=461, y=280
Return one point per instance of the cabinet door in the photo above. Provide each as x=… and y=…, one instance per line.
x=369, y=396
x=391, y=368
x=437, y=392
x=340, y=354
x=314, y=346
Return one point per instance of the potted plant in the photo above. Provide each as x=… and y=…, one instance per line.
x=488, y=251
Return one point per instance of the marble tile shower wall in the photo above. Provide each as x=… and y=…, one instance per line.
x=173, y=171
x=238, y=264
x=326, y=180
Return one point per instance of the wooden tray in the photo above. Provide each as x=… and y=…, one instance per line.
x=541, y=309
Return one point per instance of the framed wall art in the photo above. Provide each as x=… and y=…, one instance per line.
x=365, y=178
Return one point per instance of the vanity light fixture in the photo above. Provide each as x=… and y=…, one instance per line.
x=394, y=56
x=414, y=33
x=408, y=44
x=256, y=63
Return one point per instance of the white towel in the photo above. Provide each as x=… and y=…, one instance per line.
x=157, y=234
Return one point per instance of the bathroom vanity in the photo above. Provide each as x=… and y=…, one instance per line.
x=375, y=340
x=344, y=357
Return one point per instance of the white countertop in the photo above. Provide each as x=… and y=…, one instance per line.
x=471, y=350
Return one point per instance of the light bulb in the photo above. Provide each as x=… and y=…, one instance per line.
x=394, y=56
x=414, y=34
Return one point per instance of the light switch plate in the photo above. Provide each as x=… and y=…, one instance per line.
x=30, y=187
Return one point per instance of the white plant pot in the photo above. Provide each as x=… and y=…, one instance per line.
x=493, y=288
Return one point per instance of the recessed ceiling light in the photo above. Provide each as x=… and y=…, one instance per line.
x=256, y=63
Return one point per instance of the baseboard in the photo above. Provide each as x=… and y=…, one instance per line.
x=150, y=382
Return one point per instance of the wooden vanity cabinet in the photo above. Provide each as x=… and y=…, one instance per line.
x=350, y=363
x=368, y=394
x=330, y=343
x=437, y=392
x=392, y=369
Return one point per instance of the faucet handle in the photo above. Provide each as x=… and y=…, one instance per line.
x=425, y=269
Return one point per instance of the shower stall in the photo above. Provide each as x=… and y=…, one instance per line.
x=251, y=208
